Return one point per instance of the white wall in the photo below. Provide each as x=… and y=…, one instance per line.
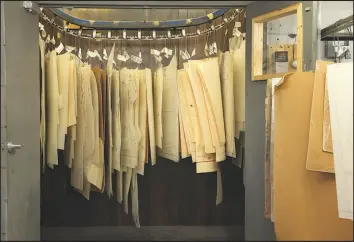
x=330, y=12
x=278, y=30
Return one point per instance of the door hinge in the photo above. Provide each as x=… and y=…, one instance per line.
x=31, y=7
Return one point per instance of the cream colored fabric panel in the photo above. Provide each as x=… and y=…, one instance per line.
x=43, y=102
x=185, y=136
x=70, y=136
x=206, y=167
x=212, y=95
x=340, y=96
x=170, y=126
x=52, y=98
x=150, y=108
x=109, y=189
x=95, y=171
x=192, y=114
x=185, y=124
x=211, y=116
x=239, y=61
x=228, y=102
x=206, y=145
x=137, y=136
x=108, y=177
x=77, y=169
x=158, y=98
x=71, y=93
x=183, y=142
x=90, y=149
x=142, y=122
x=63, y=76
x=129, y=107
x=116, y=125
x=210, y=73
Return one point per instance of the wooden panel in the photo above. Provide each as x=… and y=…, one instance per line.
x=317, y=159
x=268, y=119
x=257, y=49
x=299, y=37
x=305, y=202
x=258, y=40
x=327, y=132
x=278, y=13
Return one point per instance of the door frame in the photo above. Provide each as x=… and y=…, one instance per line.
x=256, y=227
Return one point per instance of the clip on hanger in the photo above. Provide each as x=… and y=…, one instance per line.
x=66, y=26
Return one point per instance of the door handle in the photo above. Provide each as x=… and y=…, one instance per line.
x=11, y=148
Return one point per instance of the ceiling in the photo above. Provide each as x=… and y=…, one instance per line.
x=145, y=4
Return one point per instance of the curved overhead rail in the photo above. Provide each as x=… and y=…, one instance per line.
x=332, y=32
x=175, y=35
x=115, y=25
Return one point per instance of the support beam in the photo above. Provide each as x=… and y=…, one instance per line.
x=144, y=4
x=337, y=26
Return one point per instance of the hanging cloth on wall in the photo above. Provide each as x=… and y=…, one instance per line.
x=213, y=96
x=95, y=170
x=63, y=76
x=72, y=112
x=109, y=142
x=190, y=111
x=77, y=169
x=150, y=111
x=90, y=147
x=142, y=122
x=204, y=143
x=116, y=125
x=237, y=49
x=186, y=129
x=52, y=101
x=97, y=72
x=227, y=88
x=170, y=126
x=158, y=99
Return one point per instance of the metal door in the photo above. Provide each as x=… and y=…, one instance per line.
x=20, y=119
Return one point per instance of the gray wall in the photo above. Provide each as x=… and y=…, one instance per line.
x=256, y=226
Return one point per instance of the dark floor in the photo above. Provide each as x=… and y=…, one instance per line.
x=153, y=233
x=175, y=203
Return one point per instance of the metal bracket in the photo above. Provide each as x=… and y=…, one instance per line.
x=31, y=7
